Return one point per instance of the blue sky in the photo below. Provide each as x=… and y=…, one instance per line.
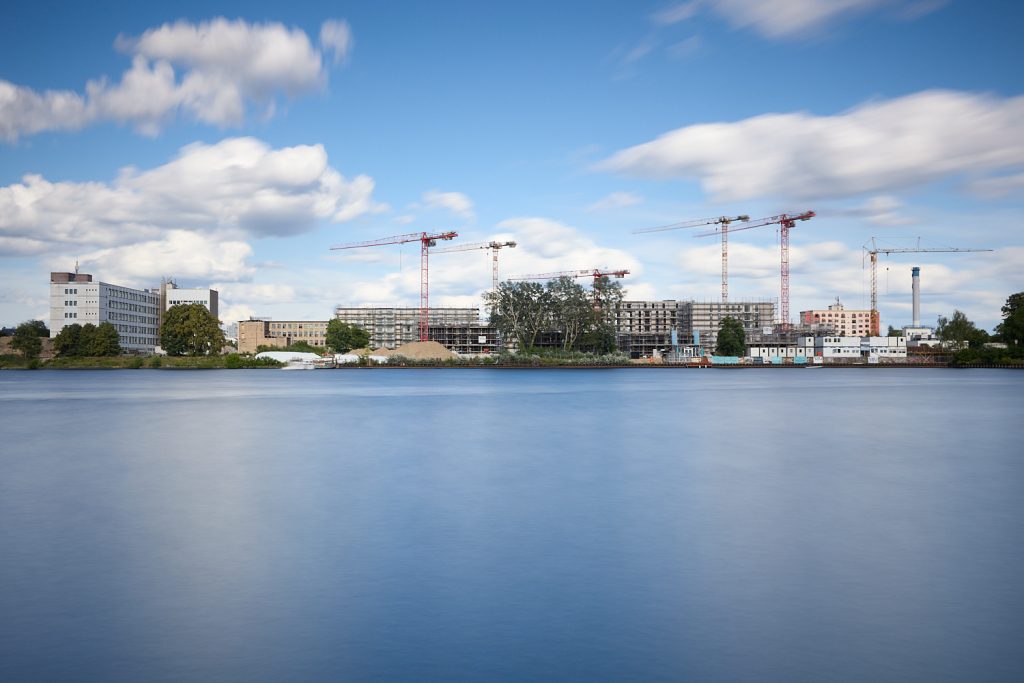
x=231, y=144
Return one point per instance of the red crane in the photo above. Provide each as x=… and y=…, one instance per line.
x=426, y=240
x=723, y=221
x=786, y=221
x=492, y=245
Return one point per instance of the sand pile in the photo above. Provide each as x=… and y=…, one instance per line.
x=382, y=351
x=423, y=350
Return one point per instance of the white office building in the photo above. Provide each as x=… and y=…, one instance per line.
x=75, y=298
x=173, y=295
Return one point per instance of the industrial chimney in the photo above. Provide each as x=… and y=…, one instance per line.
x=917, y=297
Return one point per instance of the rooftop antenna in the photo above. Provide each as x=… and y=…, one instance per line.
x=76, y=266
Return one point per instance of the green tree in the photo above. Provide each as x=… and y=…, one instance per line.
x=343, y=337
x=103, y=340
x=26, y=338
x=1011, y=330
x=68, y=340
x=190, y=330
x=732, y=339
x=958, y=332
x=520, y=310
x=893, y=332
x=571, y=310
x=77, y=340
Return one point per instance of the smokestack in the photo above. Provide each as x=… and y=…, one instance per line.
x=917, y=297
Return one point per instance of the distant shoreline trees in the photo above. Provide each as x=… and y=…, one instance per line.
x=522, y=310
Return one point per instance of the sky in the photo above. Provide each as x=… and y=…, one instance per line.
x=231, y=145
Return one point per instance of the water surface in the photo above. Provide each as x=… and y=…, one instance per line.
x=512, y=525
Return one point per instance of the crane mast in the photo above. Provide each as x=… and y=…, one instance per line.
x=874, y=250
x=493, y=246
x=426, y=240
x=785, y=222
x=724, y=222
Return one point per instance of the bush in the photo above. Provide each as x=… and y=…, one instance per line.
x=33, y=364
x=235, y=361
x=135, y=363
x=156, y=362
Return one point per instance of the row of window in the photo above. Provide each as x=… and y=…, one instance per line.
x=70, y=303
x=130, y=296
x=70, y=315
x=70, y=291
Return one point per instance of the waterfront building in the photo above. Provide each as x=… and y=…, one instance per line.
x=466, y=338
x=644, y=328
x=837, y=320
x=392, y=327
x=848, y=348
x=135, y=313
x=257, y=332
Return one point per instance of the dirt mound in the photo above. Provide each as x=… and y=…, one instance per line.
x=47, y=352
x=382, y=351
x=423, y=350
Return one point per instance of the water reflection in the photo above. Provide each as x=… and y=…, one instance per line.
x=510, y=525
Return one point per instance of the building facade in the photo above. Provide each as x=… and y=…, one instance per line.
x=134, y=313
x=644, y=328
x=392, y=327
x=171, y=295
x=470, y=338
x=257, y=332
x=838, y=320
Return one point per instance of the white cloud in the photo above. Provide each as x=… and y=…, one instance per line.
x=878, y=147
x=227, y=67
x=237, y=188
x=456, y=203
x=185, y=254
x=336, y=36
x=882, y=211
x=790, y=18
x=616, y=200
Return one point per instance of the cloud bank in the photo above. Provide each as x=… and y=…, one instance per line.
x=877, y=147
x=227, y=68
x=189, y=216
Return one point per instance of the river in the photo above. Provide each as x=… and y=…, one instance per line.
x=512, y=525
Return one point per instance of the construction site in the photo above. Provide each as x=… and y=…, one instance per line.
x=668, y=330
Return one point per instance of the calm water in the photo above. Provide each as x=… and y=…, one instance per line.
x=447, y=525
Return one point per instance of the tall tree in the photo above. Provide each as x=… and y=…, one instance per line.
x=191, y=330
x=103, y=340
x=732, y=339
x=571, y=309
x=68, y=341
x=520, y=310
x=343, y=337
x=26, y=338
x=957, y=332
x=1011, y=330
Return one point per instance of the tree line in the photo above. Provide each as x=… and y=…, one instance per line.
x=523, y=310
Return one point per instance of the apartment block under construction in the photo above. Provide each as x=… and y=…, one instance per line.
x=392, y=327
x=643, y=326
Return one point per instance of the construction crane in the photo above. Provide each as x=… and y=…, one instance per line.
x=591, y=272
x=724, y=222
x=785, y=222
x=493, y=246
x=426, y=240
x=875, y=250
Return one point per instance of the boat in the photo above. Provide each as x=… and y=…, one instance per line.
x=299, y=365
